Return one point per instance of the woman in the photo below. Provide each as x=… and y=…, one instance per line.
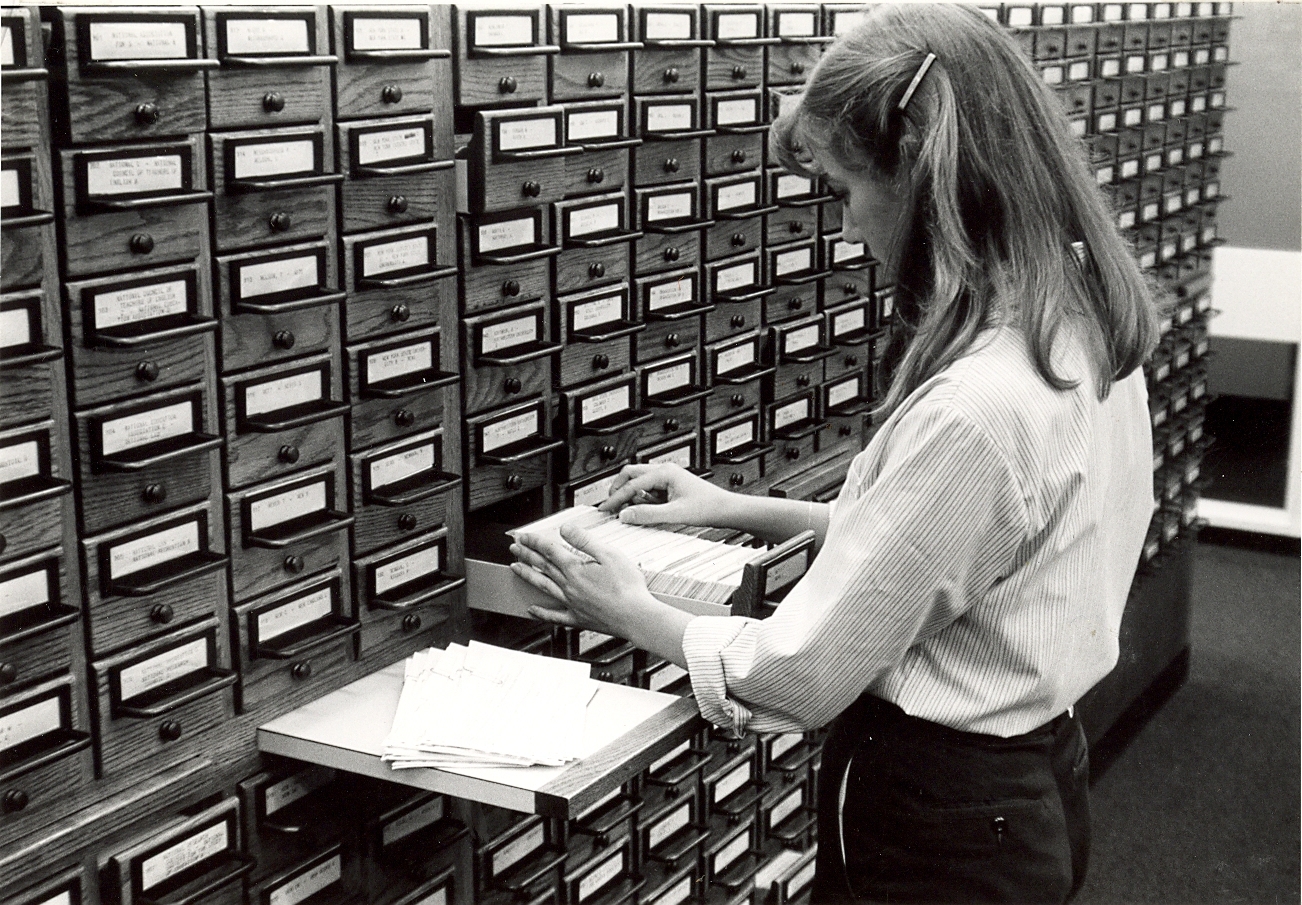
x=971, y=576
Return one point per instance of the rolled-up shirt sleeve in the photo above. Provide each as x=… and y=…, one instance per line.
x=936, y=527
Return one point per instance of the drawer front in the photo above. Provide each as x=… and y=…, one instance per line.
x=730, y=399
x=790, y=224
x=491, y=483
x=381, y=89
x=789, y=302
x=378, y=526
x=22, y=257
x=792, y=378
x=113, y=109
x=19, y=118
x=485, y=81
x=672, y=422
x=98, y=243
x=584, y=268
x=264, y=218
x=581, y=362
x=663, y=71
x=287, y=683
x=35, y=520
x=418, y=576
x=260, y=569
x=41, y=612
x=848, y=284
x=843, y=432
x=733, y=67
x=731, y=237
x=392, y=60
x=28, y=393
x=488, y=386
x=789, y=457
x=509, y=186
x=396, y=387
x=848, y=359
x=732, y=318
x=379, y=193
x=587, y=76
x=39, y=656
x=656, y=162
x=657, y=252
x=399, y=634
x=790, y=64
x=667, y=338
x=49, y=789
x=398, y=279
x=589, y=455
x=741, y=478
x=596, y=171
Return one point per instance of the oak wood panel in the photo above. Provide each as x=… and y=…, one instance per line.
x=488, y=482
x=729, y=399
x=373, y=313
x=791, y=64
x=597, y=171
x=49, y=789
x=789, y=457
x=424, y=85
x=486, y=385
x=657, y=252
x=34, y=526
x=428, y=196
x=479, y=81
x=791, y=224
x=22, y=256
x=848, y=284
x=580, y=362
x=394, y=634
x=589, y=455
x=672, y=422
x=793, y=377
x=847, y=360
x=657, y=71
x=104, y=109
x=282, y=681
x=485, y=285
x=789, y=302
x=660, y=339
x=501, y=186
x=656, y=162
x=18, y=120
x=245, y=220
x=843, y=432
x=28, y=393
x=731, y=237
x=570, y=75
x=721, y=65
x=742, y=478
x=724, y=154
x=377, y=526
x=732, y=319
x=128, y=744
x=585, y=268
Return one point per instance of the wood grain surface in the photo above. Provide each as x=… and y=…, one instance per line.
x=658, y=252
x=650, y=66
x=22, y=257
x=656, y=162
x=27, y=393
x=725, y=154
x=661, y=339
x=731, y=237
x=597, y=171
x=732, y=319
x=570, y=75
x=721, y=67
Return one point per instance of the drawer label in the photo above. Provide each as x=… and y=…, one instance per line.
x=30, y=722
x=843, y=392
x=20, y=460
x=783, y=743
x=401, y=466
x=149, y=674
x=804, y=338
x=521, y=134
x=267, y=36
x=428, y=814
x=678, y=751
x=733, y=112
x=141, y=303
x=600, y=311
x=143, y=428
x=309, y=883
x=794, y=186
x=681, y=291
x=407, y=569
x=843, y=22
x=589, y=640
x=135, y=40
x=15, y=327
x=592, y=494
x=734, y=357
x=260, y=398
x=727, y=855
x=134, y=175
x=502, y=31
x=437, y=897
x=404, y=254
x=509, y=334
x=793, y=261
x=724, y=440
x=516, y=851
x=63, y=898
x=602, y=875
x=184, y=854
x=596, y=124
x=801, y=879
x=301, y=611
x=667, y=674
x=387, y=34
x=507, y=234
x=11, y=194
x=392, y=363
x=594, y=219
x=154, y=549
x=603, y=405
x=848, y=251
x=592, y=28
x=734, y=277
x=289, y=790
x=275, y=158
x=284, y=275
x=24, y=592
x=669, y=825
x=391, y=144
x=786, y=807
x=731, y=26
x=791, y=413
x=795, y=25
x=681, y=455
x=511, y=430
x=669, y=207
x=740, y=775
x=662, y=380
x=849, y=322
x=667, y=26
x=677, y=894
x=669, y=117
x=733, y=196
x=6, y=46
x=283, y=507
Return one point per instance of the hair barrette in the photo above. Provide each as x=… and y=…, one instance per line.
x=917, y=80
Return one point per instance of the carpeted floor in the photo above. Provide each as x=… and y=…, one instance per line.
x=1203, y=805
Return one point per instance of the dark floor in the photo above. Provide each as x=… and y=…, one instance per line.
x=1203, y=805
x=1249, y=460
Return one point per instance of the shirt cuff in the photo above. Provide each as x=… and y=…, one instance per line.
x=704, y=640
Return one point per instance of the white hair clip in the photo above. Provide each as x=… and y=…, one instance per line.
x=917, y=80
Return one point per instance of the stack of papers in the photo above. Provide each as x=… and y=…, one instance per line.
x=485, y=706
x=673, y=559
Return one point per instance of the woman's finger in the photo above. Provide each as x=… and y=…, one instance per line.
x=538, y=580
x=555, y=617
x=550, y=548
x=642, y=483
x=583, y=541
x=531, y=558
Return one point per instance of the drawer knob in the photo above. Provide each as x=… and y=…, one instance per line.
x=15, y=800
x=400, y=313
x=514, y=482
x=512, y=385
x=596, y=79
x=404, y=418
x=600, y=361
x=845, y=430
x=852, y=361
x=802, y=380
x=797, y=68
x=738, y=239
x=596, y=175
x=671, y=164
x=411, y=623
x=737, y=400
x=608, y=452
x=154, y=494
x=511, y=287
x=141, y=244
x=849, y=288
x=596, y=270
x=507, y=84
x=739, y=72
x=280, y=221
x=162, y=613
x=8, y=673
x=671, y=425
x=672, y=253
x=738, y=321
x=147, y=371
x=671, y=792
x=739, y=156
x=294, y=564
x=284, y=339
x=169, y=730
x=736, y=479
x=796, y=303
x=391, y=94
x=148, y=114
x=287, y=454
x=397, y=205
x=670, y=75
x=273, y=102
x=672, y=341
x=793, y=453
x=407, y=522
x=301, y=670
x=531, y=189
x=796, y=226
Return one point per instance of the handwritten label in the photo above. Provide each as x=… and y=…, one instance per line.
x=669, y=758
x=23, y=592
x=592, y=28
x=794, y=186
x=679, y=455
x=732, y=26
x=167, y=667
x=295, y=613
x=303, y=783
x=135, y=40
x=272, y=395
x=400, y=466
x=119, y=307
x=521, y=134
x=669, y=117
x=734, y=358
x=30, y=722
x=284, y=275
x=390, y=364
x=671, y=824
x=670, y=207
x=593, y=494
x=407, y=569
x=511, y=430
x=846, y=21
x=143, y=428
x=387, y=34
x=665, y=676
x=509, y=334
x=795, y=25
x=792, y=413
x=267, y=36
x=134, y=175
x=681, y=291
x=283, y=507
x=602, y=875
x=184, y=854
x=783, y=743
x=603, y=405
x=428, y=814
x=594, y=219
x=275, y=158
x=153, y=549
x=507, y=234
x=307, y=884
x=727, y=439
x=15, y=327
x=734, y=277
x=735, y=112
x=848, y=251
x=502, y=31
x=10, y=188
x=594, y=124
x=843, y=392
x=515, y=851
x=404, y=254
x=391, y=144
x=730, y=853
x=1020, y=16
x=6, y=46
x=793, y=261
x=19, y=460
x=663, y=380
x=667, y=26
x=786, y=807
x=740, y=775
x=729, y=197
x=849, y=322
x=797, y=340
x=601, y=311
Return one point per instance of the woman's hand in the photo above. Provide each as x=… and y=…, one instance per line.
x=673, y=495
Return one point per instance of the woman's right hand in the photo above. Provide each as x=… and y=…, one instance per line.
x=677, y=495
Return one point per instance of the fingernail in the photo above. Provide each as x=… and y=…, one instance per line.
x=627, y=515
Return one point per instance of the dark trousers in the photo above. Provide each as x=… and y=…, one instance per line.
x=932, y=814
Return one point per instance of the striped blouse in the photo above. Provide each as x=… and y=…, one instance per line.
x=976, y=562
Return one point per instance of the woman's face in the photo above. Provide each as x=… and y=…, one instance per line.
x=872, y=213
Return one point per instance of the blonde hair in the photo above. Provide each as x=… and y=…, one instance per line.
x=997, y=187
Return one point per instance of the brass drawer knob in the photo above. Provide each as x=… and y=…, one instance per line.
x=514, y=482
x=512, y=385
x=608, y=452
x=672, y=253
x=511, y=288
x=738, y=240
x=796, y=226
x=14, y=801
x=596, y=79
x=736, y=479
x=8, y=673
x=280, y=221
x=391, y=94
x=287, y=454
x=407, y=522
x=507, y=85
x=600, y=361
x=154, y=494
x=849, y=288
x=796, y=303
x=797, y=68
x=596, y=175
x=671, y=164
x=852, y=361
x=739, y=72
x=737, y=400
x=404, y=418
x=148, y=114
x=141, y=244
x=738, y=321
x=411, y=623
x=397, y=205
x=672, y=341
x=531, y=189
x=169, y=730
x=301, y=670
x=793, y=453
x=273, y=102
x=739, y=156
x=147, y=371
x=596, y=270
x=162, y=613
x=294, y=564
x=671, y=425
x=670, y=75
x=802, y=380
x=284, y=339
x=845, y=430
x=400, y=313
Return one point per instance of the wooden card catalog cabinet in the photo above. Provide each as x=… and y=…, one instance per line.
x=134, y=206
x=853, y=271
x=799, y=349
x=516, y=158
x=289, y=812
x=669, y=218
x=734, y=368
x=798, y=28
x=397, y=171
x=735, y=452
x=844, y=404
x=799, y=199
x=275, y=66
x=38, y=602
x=672, y=389
x=606, y=877
x=162, y=696
x=602, y=129
x=792, y=426
x=193, y=858
x=25, y=214
x=738, y=294
x=509, y=355
x=328, y=877
x=736, y=60
x=397, y=386
x=416, y=842
x=595, y=47
x=670, y=59
x=797, y=280
x=519, y=860
x=128, y=73
x=35, y=492
x=736, y=203
x=29, y=351
x=672, y=312
x=594, y=231
x=595, y=330
x=398, y=489
x=603, y=423
x=24, y=103
x=509, y=452
x=393, y=60
x=501, y=56
x=732, y=862
x=404, y=591
x=398, y=279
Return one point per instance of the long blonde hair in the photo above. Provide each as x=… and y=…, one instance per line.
x=998, y=189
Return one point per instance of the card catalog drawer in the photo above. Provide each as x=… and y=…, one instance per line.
x=603, y=424
x=397, y=280
x=736, y=60
x=732, y=154
x=129, y=73
x=295, y=642
x=35, y=490
x=851, y=357
x=794, y=419
x=602, y=129
x=670, y=298
x=397, y=386
x=731, y=237
x=509, y=355
x=672, y=389
x=161, y=697
x=405, y=591
x=666, y=337
x=287, y=528
x=272, y=186
x=501, y=56
x=675, y=775
x=282, y=418
x=612, y=661
x=733, y=319
x=517, y=158
x=794, y=884
x=682, y=451
x=275, y=66
x=670, y=58
x=519, y=860
x=594, y=56
x=844, y=403
x=594, y=231
x=508, y=256
x=735, y=362
x=397, y=171
x=144, y=577
x=31, y=384
x=669, y=217
x=330, y=877
x=854, y=271
x=734, y=442
x=66, y=886
x=671, y=837
x=668, y=119
x=792, y=223
x=23, y=256
x=399, y=489
x=39, y=606
x=666, y=160
x=134, y=206
x=594, y=832
x=726, y=399
x=278, y=304
x=135, y=458
x=797, y=28
x=417, y=843
x=731, y=863
x=606, y=878
x=393, y=60
x=509, y=451
x=595, y=329
x=291, y=811
x=590, y=490
x=796, y=265
x=23, y=116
